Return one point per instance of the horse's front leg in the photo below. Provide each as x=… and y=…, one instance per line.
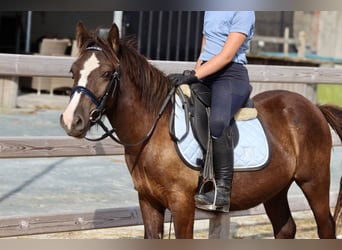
x=183, y=215
x=153, y=219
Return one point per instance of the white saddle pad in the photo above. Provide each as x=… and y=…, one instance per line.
x=251, y=153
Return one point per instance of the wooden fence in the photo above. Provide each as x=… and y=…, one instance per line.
x=14, y=66
x=300, y=43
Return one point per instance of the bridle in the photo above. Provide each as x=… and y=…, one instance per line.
x=96, y=114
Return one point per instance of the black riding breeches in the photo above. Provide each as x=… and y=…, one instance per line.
x=230, y=90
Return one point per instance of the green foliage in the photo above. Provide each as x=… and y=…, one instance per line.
x=329, y=94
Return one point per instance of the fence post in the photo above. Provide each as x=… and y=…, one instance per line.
x=302, y=43
x=219, y=226
x=8, y=91
x=286, y=41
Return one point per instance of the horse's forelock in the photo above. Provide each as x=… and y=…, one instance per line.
x=96, y=41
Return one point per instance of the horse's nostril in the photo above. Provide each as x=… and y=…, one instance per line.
x=76, y=127
x=78, y=122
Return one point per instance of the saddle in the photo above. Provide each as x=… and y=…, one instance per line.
x=189, y=128
x=196, y=99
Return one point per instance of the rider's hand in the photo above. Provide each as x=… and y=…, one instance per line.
x=188, y=77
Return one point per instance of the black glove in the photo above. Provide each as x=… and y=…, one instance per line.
x=188, y=77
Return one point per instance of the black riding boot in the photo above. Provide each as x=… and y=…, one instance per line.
x=223, y=160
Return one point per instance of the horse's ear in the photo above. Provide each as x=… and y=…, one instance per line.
x=114, y=37
x=81, y=34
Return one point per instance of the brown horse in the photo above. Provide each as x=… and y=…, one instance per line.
x=113, y=79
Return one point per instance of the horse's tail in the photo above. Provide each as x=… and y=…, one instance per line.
x=333, y=115
x=338, y=208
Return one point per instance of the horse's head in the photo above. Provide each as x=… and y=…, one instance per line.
x=95, y=74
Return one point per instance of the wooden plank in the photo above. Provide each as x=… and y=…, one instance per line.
x=62, y=146
x=290, y=74
x=270, y=74
x=57, y=146
x=169, y=67
x=272, y=39
x=100, y=218
x=35, y=65
x=123, y=217
x=59, y=66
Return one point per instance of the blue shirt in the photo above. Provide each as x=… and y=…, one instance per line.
x=217, y=26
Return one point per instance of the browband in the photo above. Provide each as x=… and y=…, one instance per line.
x=94, y=48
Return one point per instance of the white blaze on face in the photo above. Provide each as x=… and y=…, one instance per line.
x=91, y=64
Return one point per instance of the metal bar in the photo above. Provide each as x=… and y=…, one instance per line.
x=187, y=38
x=149, y=34
x=197, y=35
x=160, y=25
x=118, y=20
x=141, y=16
x=28, y=32
x=178, y=37
x=169, y=33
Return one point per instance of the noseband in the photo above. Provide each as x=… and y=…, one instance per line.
x=100, y=104
x=97, y=113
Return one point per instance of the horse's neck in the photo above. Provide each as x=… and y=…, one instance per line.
x=131, y=118
x=138, y=103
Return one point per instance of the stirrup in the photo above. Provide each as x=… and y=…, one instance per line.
x=213, y=206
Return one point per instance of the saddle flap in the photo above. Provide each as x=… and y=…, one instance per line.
x=202, y=93
x=200, y=108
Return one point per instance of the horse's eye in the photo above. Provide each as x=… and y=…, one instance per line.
x=107, y=74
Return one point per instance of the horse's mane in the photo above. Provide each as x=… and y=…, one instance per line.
x=152, y=84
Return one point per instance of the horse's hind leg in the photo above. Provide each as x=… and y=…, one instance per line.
x=317, y=194
x=278, y=211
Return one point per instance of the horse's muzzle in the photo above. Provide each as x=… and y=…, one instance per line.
x=78, y=127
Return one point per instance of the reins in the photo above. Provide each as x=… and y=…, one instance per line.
x=111, y=133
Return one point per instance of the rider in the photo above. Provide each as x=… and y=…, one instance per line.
x=226, y=35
